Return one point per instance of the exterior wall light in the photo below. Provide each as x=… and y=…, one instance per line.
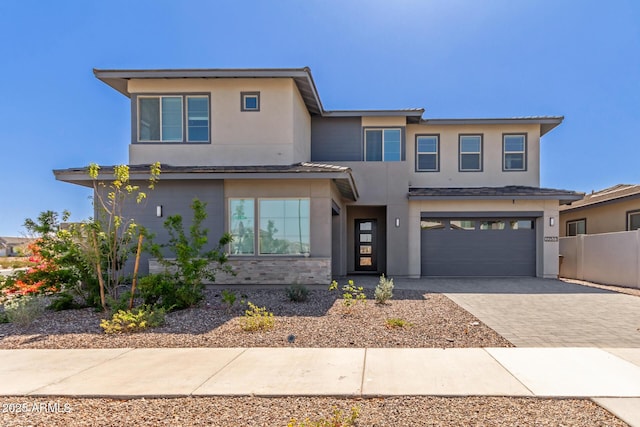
x=159, y=211
x=552, y=221
x=397, y=222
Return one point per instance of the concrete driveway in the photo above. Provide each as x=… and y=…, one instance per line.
x=532, y=312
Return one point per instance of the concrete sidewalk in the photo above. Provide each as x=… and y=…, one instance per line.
x=545, y=372
x=611, y=376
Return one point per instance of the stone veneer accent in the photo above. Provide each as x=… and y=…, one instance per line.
x=271, y=271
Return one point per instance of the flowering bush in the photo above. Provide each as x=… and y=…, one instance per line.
x=43, y=277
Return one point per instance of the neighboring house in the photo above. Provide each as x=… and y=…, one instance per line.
x=12, y=246
x=309, y=193
x=613, y=209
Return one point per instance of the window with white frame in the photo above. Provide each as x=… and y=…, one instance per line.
x=383, y=145
x=427, y=153
x=165, y=118
x=514, y=148
x=283, y=226
x=470, y=148
x=575, y=227
x=633, y=220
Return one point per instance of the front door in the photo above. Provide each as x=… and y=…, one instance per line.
x=366, y=241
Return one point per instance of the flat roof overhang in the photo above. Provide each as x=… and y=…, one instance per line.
x=547, y=123
x=341, y=176
x=494, y=193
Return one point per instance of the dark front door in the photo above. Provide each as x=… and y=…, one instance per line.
x=366, y=245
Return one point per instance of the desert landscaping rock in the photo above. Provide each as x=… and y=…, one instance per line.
x=254, y=411
x=322, y=321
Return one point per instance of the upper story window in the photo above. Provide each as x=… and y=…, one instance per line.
x=383, y=145
x=165, y=118
x=249, y=101
x=579, y=226
x=427, y=153
x=514, y=149
x=633, y=220
x=470, y=149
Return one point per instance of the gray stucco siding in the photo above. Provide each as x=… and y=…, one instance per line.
x=336, y=139
x=176, y=197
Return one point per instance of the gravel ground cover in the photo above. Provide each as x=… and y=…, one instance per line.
x=253, y=411
x=322, y=321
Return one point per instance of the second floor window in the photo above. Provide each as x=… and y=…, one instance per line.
x=382, y=145
x=427, y=153
x=470, y=153
x=514, y=152
x=165, y=119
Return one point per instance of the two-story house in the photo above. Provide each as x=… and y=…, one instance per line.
x=309, y=193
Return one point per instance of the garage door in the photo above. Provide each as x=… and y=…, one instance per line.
x=478, y=247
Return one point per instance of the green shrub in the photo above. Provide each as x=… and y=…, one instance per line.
x=256, y=319
x=3, y=317
x=229, y=298
x=63, y=301
x=193, y=264
x=338, y=419
x=396, y=322
x=162, y=290
x=297, y=293
x=135, y=320
x=351, y=293
x=384, y=290
x=23, y=310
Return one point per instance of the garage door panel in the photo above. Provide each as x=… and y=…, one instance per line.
x=478, y=252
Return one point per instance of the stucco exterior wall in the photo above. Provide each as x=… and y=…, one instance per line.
x=546, y=251
x=608, y=258
x=278, y=134
x=606, y=218
x=492, y=174
x=301, y=128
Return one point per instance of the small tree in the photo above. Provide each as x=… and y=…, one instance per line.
x=192, y=264
x=111, y=233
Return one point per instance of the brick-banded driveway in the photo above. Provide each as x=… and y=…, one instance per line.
x=533, y=312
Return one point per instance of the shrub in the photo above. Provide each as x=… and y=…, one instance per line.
x=297, y=293
x=193, y=264
x=229, y=298
x=256, y=319
x=135, y=320
x=338, y=419
x=63, y=301
x=384, y=290
x=351, y=293
x=3, y=317
x=396, y=322
x=161, y=290
x=25, y=309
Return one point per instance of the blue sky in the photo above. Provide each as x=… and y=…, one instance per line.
x=473, y=58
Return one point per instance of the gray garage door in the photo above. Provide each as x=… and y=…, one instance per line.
x=478, y=247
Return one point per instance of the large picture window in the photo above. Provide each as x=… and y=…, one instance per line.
x=284, y=226
x=383, y=145
x=164, y=118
